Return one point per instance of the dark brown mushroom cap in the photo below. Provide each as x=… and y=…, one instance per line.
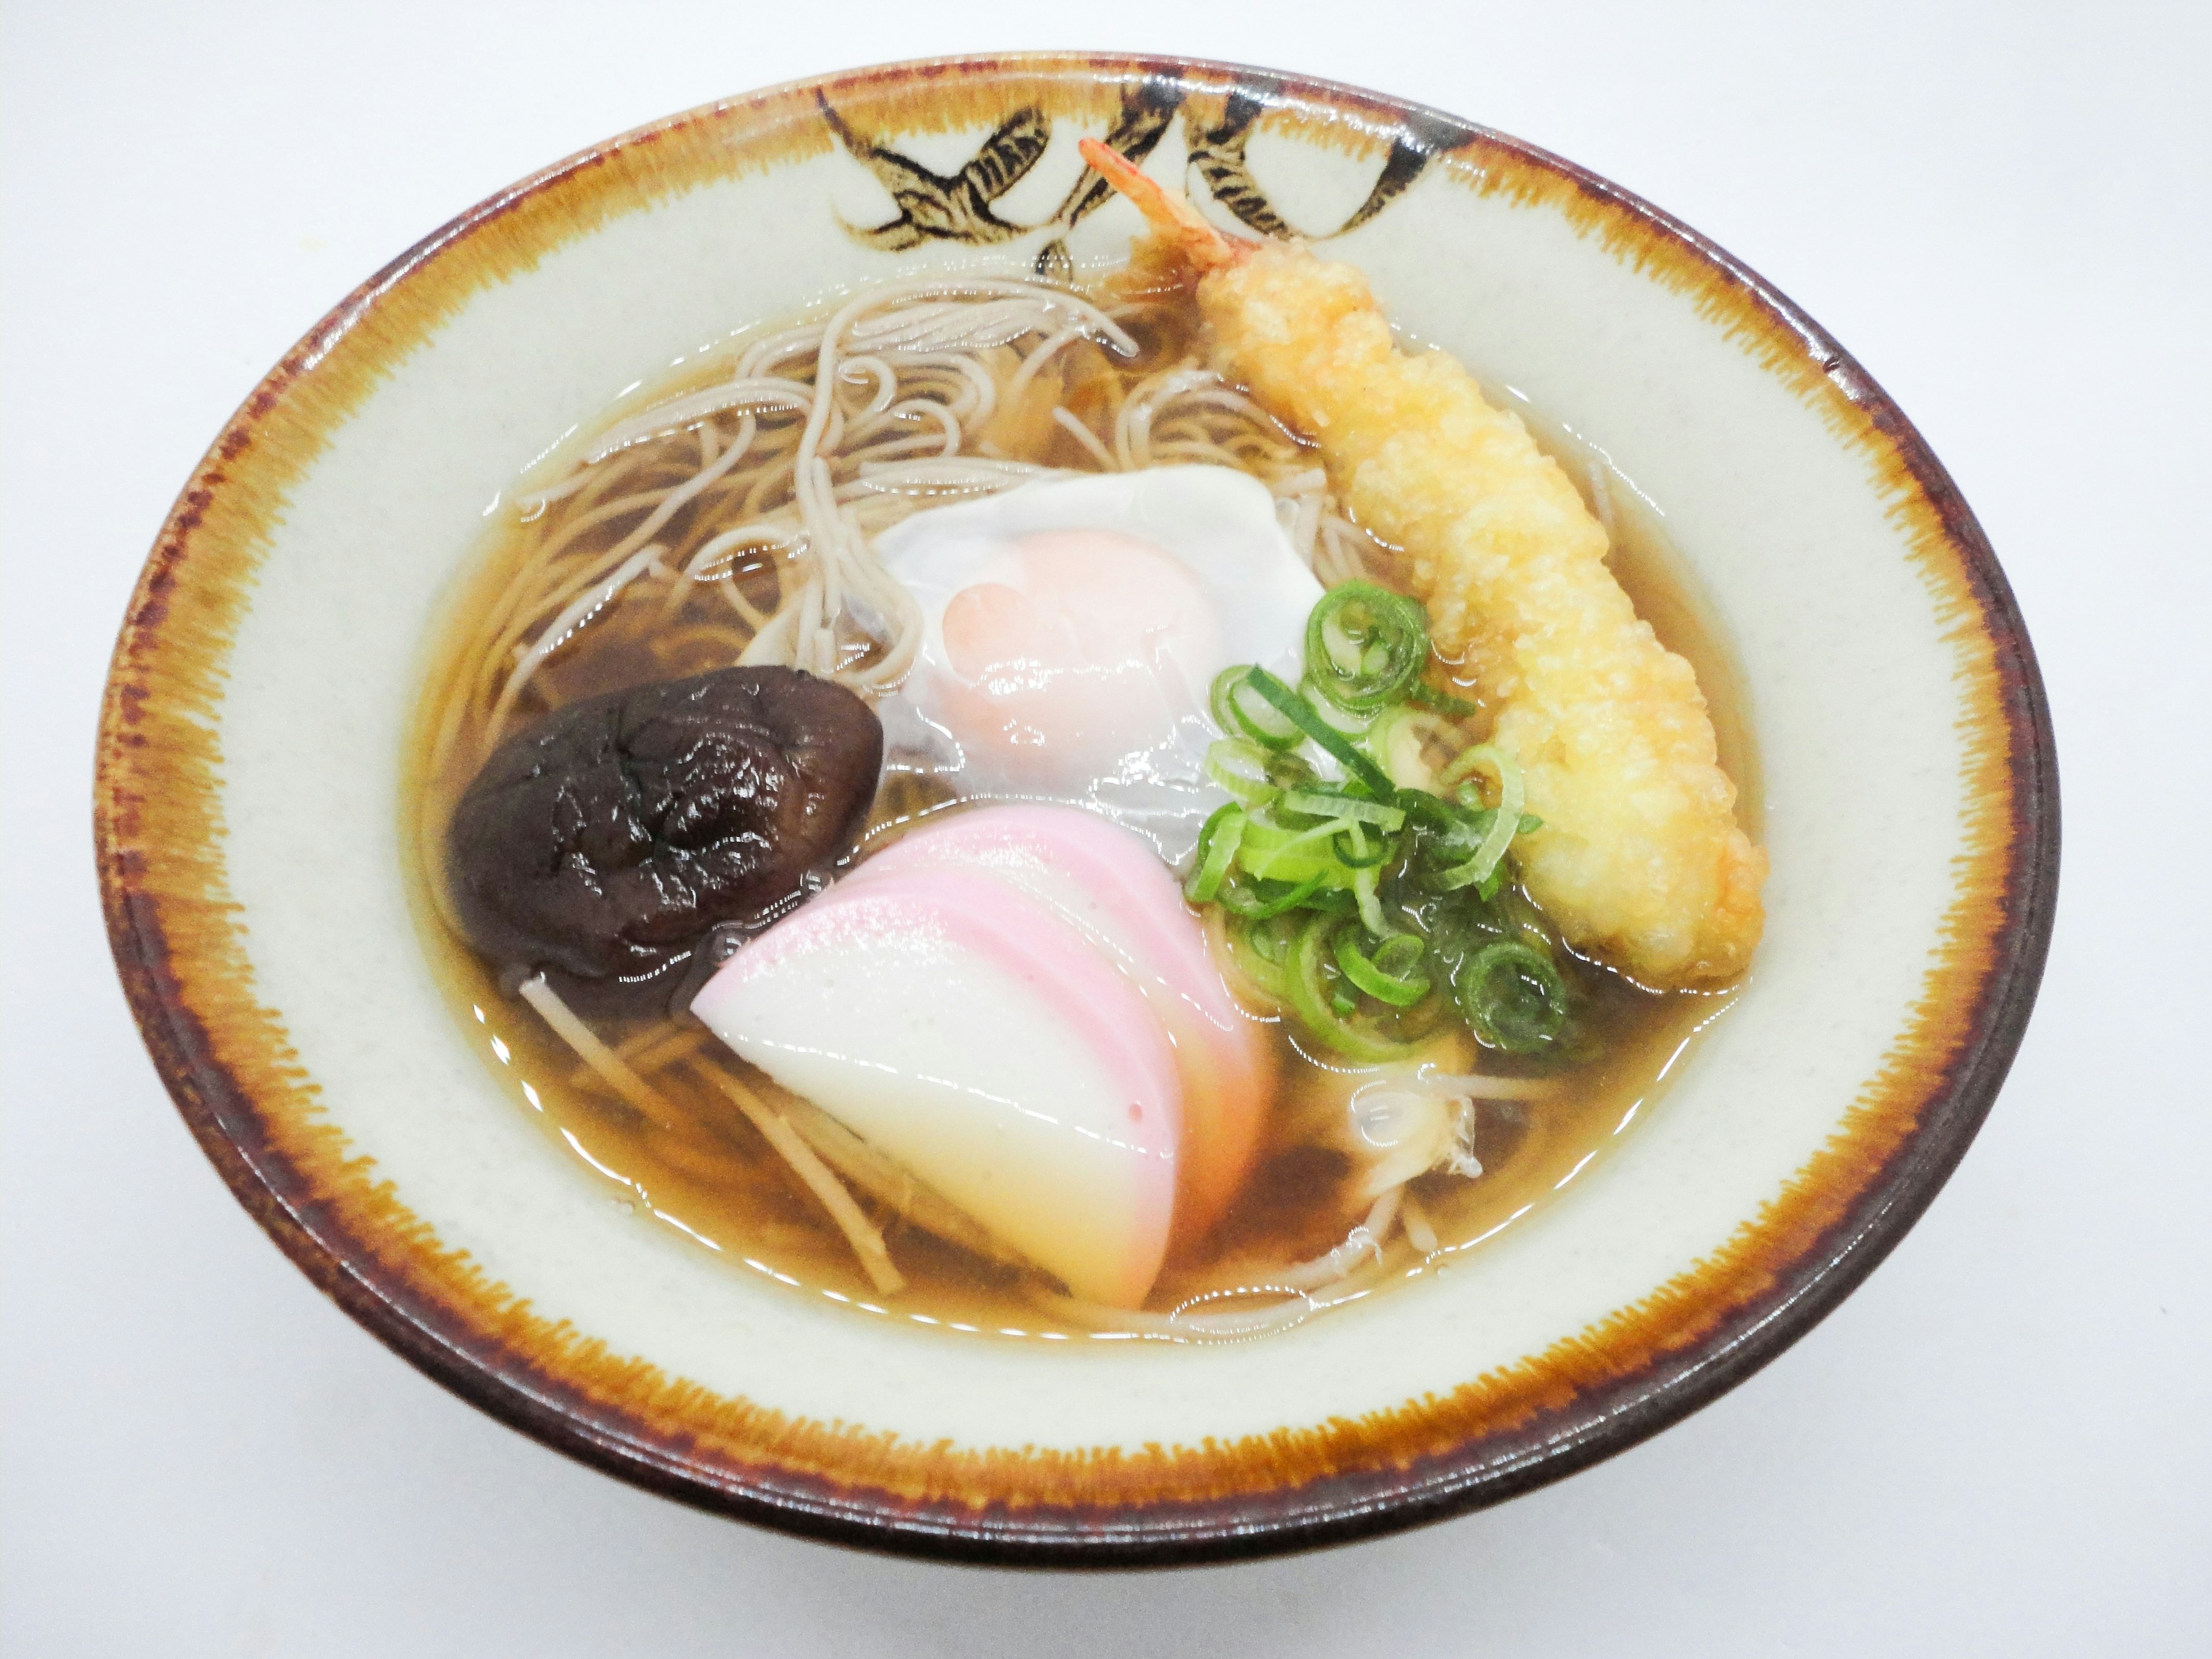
x=603, y=844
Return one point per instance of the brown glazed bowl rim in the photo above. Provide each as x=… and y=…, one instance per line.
x=1332, y=1507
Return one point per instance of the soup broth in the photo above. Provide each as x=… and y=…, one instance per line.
x=553, y=581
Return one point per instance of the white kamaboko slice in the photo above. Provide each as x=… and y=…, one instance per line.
x=974, y=1037
x=1107, y=884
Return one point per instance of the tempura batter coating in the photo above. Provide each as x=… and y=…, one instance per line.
x=1640, y=858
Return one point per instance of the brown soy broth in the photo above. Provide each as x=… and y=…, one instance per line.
x=708, y=1173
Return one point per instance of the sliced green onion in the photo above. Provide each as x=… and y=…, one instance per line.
x=1506, y=821
x=1456, y=877
x=1335, y=804
x=1370, y=903
x=1387, y=975
x=1239, y=714
x=1255, y=905
x=1273, y=940
x=1275, y=853
x=1301, y=713
x=1314, y=1000
x=1465, y=764
x=1444, y=702
x=1298, y=864
x=1485, y=883
x=1217, y=698
x=1308, y=817
x=1261, y=951
x=1512, y=996
x=1395, y=739
x=1366, y=646
x=1352, y=725
x=1241, y=768
x=1430, y=812
x=1356, y=849
x=1216, y=847
x=1398, y=955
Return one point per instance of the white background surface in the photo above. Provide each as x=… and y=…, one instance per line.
x=2001, y=1444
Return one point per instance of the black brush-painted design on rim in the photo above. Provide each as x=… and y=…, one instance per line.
x=957, y=208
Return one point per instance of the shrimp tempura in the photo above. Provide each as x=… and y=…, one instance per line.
x=1640, y=858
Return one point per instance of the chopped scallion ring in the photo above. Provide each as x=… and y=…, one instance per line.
x=1387, y=975
x=1259, y=951
x=1352, y=725
x=1335, y=804
x=1504, y=824
x=1240, y=713
x=1277, y=852
x=1314, y=999
x=1366, y=646
x=1444, y=702
x=1356, y=849
x=1241, y=768
x=1301, y=714
x=1370, y=903
x=1254, y=906
x=1513, y=997
x=1217, y=848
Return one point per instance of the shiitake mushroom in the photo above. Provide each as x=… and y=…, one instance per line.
x=602, y=846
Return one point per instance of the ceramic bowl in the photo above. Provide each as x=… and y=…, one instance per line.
x=250, y=753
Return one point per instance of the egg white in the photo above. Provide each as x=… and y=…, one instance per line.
x=1220, y=525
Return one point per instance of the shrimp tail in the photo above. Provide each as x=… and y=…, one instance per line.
x=1167, y=212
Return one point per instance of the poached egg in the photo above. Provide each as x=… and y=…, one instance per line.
x=1071, y=630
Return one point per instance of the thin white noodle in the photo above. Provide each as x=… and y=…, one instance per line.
x=1190, y=1321
x=1088, y=439
x=756, y=395
x=536, y=500
x=1337, y=556
x=1038, y=359
x=745, y=607
x=610, y=1066
x=884, y=1181
x=1473, y=1085
x=777, y=347
x=1367, y=1238
x=918, y=409
x=776, y=645
x=856, y=369
x=979, y=396
x=761, y=533
x=564, y=625
x=1302, y=496
x=562, y=628
x=1420, y=1233
x=937, y=473
x=860, y=1232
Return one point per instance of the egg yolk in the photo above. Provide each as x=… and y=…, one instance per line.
x=1091, y=653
